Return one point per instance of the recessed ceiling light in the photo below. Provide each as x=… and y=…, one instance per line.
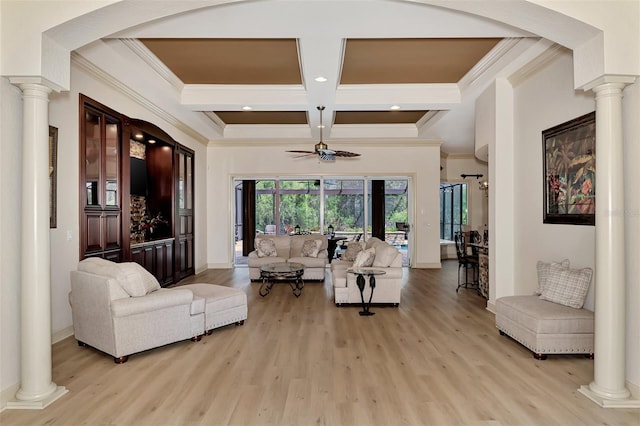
x=246, y=108
x=151, y=141
x=394, y=107
x=139, y=136
x=320, y=79
x=320, y=126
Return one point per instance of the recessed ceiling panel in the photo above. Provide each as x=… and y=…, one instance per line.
x=378, y=117
x=229, y=61
x=263, y=117
x=397, y=61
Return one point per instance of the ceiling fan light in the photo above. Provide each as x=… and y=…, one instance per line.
x=321, y=146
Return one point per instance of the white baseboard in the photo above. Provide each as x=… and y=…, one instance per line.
x=7, y=395
x=491, y=307
x=634, y=389
x=219, y=266
x=62, y=334
x=430, y=265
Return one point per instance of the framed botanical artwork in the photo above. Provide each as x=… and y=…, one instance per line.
x=569, y=152
x=53, y=175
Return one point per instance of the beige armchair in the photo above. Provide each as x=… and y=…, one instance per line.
x=120, y=309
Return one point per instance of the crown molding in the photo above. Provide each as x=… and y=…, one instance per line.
x=536, y=64
x=386, y=143
x=479, y=69
x=137, y=47
x=116, y=84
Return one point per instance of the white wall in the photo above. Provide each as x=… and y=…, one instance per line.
x=543, y=101
x=10, y=243
x=421, y=162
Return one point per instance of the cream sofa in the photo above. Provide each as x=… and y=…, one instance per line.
x=120, y=309
x=289, y=249
x=388, y=286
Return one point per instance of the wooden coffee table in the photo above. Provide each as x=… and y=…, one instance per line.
x=284, y=272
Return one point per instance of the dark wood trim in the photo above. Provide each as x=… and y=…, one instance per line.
x=248, y=216
x=377, y=209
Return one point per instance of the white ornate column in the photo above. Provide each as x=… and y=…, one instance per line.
x=36, y=388
x=608, y=388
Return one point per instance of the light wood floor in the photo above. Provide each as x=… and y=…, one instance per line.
x=435, y=360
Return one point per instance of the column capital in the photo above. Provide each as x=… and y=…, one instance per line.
x=607, y=79
x=35, y=81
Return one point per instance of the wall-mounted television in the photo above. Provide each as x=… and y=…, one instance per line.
x=138, y=177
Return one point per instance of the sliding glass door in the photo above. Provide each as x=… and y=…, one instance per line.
x=284, y=205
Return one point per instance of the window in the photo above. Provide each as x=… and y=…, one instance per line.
x=453, y=208
x=344, y=205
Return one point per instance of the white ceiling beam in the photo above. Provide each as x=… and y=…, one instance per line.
x=376, y=97
x=220, y=97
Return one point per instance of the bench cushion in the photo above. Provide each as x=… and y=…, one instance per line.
x=544, y=317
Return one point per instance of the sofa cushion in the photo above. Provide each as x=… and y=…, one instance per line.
x=385, y=254
x=543, y=272
x=310, y=248
x=132, y=277
x=353, y=248
x=257, y=262
x=567, y=286
x=339, y=278
x=310, y=262
x=365, y=258
x=544, y=317
x=266, y=247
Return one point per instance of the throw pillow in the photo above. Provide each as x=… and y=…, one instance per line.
x=311, y=248
x=266, y=247
x=385, y=254
x=567, y=286
x=135, y=280
x=365, y=258
x=353, y=248
x=132, y=277
x=543, y=272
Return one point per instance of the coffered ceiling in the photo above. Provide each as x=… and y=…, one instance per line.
x=385, y=71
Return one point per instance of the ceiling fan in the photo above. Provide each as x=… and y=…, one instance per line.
x=322, y=149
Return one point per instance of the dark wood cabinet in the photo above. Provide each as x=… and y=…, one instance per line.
x=184, y=213
x=100, y=181
x=157, y=258
x=135, y=208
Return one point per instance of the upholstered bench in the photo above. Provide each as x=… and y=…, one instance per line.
x=222, y=305
x=545, y=327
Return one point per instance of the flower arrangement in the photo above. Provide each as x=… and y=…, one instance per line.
x=150, y=223
x=144, y=228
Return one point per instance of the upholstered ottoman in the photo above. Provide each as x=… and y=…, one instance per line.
x=222, y=305
x=545, y=327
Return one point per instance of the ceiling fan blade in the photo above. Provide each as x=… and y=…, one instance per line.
x=346, y=154
x=327, y=156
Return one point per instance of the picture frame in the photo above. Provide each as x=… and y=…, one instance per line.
x=53, y=176
x=569, y=172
